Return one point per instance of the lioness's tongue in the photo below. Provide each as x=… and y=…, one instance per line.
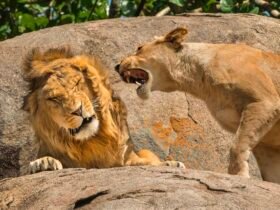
x=139, y=74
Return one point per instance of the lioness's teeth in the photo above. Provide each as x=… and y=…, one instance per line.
x=138, y=83
x=127, y=79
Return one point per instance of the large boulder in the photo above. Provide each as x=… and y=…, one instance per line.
x=137, y=188
x=174, y=125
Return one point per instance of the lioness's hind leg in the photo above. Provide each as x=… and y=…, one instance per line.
x=44, y=164
x=257, y=119
x=268, y=160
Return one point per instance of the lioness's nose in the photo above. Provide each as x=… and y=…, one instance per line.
x=117, y=68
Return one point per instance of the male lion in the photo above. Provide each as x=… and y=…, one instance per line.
x=76, y=118
x=240, y=85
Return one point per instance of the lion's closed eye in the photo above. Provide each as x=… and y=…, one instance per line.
x=54, y=100
x=78, y=82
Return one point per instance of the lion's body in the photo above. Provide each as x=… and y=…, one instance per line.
x=240, y=85
x=77, y=119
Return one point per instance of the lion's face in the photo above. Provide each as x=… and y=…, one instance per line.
x=151, y=65
x=66, y=98
x=67, y=94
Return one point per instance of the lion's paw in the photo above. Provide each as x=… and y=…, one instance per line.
x=44, y=164
x=173, y=163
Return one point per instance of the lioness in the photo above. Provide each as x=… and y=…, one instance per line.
x=240, y=85
x=77, y=119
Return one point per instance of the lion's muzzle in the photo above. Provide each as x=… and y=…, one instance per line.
x=85, y=121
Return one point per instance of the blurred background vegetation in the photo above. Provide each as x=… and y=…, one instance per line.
x=20, y=16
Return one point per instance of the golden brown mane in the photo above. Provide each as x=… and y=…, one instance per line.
x=37, y=69
x=34, y=59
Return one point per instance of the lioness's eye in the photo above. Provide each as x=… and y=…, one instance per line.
x=139, y=48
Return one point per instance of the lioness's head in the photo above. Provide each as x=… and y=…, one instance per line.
x=62, y=96
x=150, y=67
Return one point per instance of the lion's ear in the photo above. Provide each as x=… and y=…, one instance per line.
x=35, y=72
x=34, y=65
x=176, y=37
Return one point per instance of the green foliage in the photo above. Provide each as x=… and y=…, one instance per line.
x=179, y=3
x=227, y=5
x=20, y=16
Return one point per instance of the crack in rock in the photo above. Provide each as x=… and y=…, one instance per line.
x=263, y=188
x=208, y=187
x=169, y=170
x=134, y=194
x=189, y=109
x=84, y=201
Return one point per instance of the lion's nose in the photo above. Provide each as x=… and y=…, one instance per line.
x=117, y=68
x=88, y=119
x=78, y=112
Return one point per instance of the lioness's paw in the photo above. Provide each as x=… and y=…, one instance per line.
x=44, y=164
x=172, y=163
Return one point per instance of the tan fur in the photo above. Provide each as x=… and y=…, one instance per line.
x=240, y=85
x=67, y=91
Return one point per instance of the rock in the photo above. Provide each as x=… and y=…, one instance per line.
x=137, y=188
x=174, y=125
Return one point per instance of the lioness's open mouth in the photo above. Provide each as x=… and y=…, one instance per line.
x=136, y=76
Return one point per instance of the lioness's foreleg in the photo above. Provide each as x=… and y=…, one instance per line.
x=256, y=120
x=44, y=164
x=146, y=157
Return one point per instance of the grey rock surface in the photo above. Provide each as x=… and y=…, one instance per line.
x=174, y=125
x=137, y=188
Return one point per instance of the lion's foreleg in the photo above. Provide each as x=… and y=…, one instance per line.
x=44, y=164
x=256, y=120
x=146, y=157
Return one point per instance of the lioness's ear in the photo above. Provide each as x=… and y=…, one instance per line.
x=176, y=37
